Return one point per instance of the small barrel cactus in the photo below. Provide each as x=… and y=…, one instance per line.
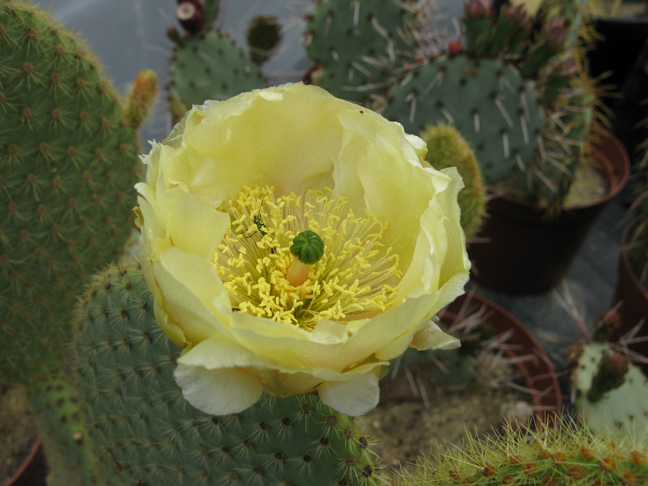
x=447, y=148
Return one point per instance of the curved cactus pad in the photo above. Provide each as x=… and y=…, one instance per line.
x=145, y=433
x=68, y=166
x=357, y=44
x=493, y=107
x=210, y=67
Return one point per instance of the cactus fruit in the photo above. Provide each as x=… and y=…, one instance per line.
x=68, y=164
x=357, y=44
x=145, y=433
x=447, y=148
x=62, y=429
x=569, y=454
x=494, y=108
x=612, y=392
x=263, y=36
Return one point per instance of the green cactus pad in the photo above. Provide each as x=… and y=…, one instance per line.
x=622, y=407
x=68, y=162
x=146, y=434
x=496, y=110
x=210, y=67
x=357, y=44
x=62, y=429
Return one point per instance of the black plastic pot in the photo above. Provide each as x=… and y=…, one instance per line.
x=524, y=252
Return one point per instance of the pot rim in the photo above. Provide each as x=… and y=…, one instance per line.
x=625, y=260
x=616, y=181
x=530, y=346
x=26, y=463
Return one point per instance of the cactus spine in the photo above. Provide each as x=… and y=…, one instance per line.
x=568, y=455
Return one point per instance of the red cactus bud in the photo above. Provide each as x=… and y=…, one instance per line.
x=454, y=47
x=190, y=16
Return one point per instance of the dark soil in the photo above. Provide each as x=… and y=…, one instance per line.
x=17, y=430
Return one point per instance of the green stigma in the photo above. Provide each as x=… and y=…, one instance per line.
x=308, y=247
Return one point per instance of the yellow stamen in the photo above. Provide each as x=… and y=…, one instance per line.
x=357, y=276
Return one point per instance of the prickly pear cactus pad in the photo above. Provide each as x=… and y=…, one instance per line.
x=358, y=43
x=68, y=161
x=623, y=406
x=145, y=433
x=493, y=107
x=210, y=67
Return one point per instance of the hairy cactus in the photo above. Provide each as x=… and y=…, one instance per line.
x=569, y=454
x=69, y=161
x=145, y=433
x=447, y=148
x=356, y=44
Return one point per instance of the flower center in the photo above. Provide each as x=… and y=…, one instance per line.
x=356, y=277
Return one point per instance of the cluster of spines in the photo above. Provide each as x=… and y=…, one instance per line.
x=357, y=45
x=69, y=161
x=145, y=433
x=565, y=455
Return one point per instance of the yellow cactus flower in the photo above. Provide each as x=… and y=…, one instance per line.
x=226, y=194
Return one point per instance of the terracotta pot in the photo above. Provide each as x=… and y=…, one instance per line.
x=631, y=299
x=533, y=364
x=526, y=253
x=33, y=471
